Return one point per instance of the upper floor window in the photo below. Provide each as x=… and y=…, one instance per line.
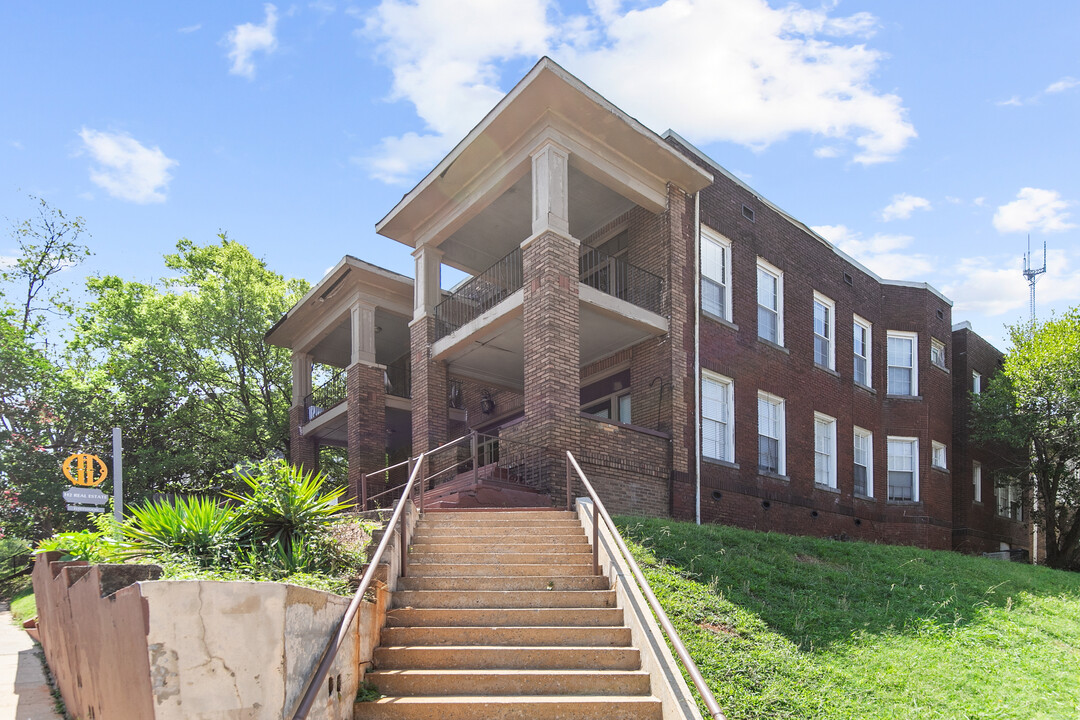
x=937, y=353
x=903, y=455
x=824, y=450
x=864, y=462
x=976, y=382
x=824, y=331
x=770, y=298
x=938, y=458
x=771, y=450
x=903, y=371
x=715, y=274
x=862, y=351
x=976, y=480
x=717, y=417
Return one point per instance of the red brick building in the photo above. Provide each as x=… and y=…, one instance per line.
x=702, y=353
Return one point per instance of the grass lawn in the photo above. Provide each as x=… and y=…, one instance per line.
x=793, y=627
x=20, y=593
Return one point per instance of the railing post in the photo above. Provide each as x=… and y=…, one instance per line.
x=568, y=483
x=363, y=491
x=404, y=537
x=422, y=480
x=474, y=457
x=595, y=539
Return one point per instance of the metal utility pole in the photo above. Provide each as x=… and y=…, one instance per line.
x=1032, y=274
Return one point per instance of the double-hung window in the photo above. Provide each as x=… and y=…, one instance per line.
x=715, y=274
x=864, y=462
x=937, y=353
x=976, y=382
x=824, y=331
x=938, y=455
x=824, y=450
x=862, y=351
x=717, y=417
x=1008, y=502
x=903, y=454
x=976, y=480
x=770, y=298
x=771, y=434
x=903, y=370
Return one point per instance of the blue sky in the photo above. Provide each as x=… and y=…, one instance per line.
x=925, y=139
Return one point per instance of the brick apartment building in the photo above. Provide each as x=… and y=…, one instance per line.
x=703, y=354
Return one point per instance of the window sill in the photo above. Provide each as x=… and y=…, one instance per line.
x=867, y=388
x=867, y=498
x=977, y=502
x=904, y=502
x=774, y=346
x=941, y=368
x=826, y=488
x=720, y=463
x=720, y=321
x=772, y=475
x=827, y=369
x=904, y=398
x=941, y=469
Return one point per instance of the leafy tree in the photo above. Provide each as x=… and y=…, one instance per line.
x=1031, y=413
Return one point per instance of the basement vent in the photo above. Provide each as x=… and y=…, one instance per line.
x=813, y=513
x=716, y=495
x=765, y=504
x=848, y=279
x=748, y=213
x=858, y=521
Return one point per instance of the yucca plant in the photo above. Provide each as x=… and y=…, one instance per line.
x=285, y=503
x=198, y=528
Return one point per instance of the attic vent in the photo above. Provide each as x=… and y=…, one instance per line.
x=848, y=279
x=940, y=314
x=748, y=213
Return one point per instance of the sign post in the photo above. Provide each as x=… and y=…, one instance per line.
x=118, y=475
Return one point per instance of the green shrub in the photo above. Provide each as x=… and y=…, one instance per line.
x=285, y=504
x=198, y=528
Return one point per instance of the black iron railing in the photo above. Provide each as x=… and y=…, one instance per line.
x=620, y=279
x=326, y=396
x=398, y=377
x=479, y=295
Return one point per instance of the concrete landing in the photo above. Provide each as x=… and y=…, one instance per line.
x=24, y=694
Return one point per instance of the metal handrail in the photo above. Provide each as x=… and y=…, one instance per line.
x=643, y=584
x=373, y=565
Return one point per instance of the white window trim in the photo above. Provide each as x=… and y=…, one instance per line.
x=776, y=272
x=831, y=307
x=869, y=327
x=976, y=382
x=915, y=467
x=860, y=432
x=781, y=451
x=729, y=389
x=831, y=422
x=914, y=337
x=976, y=479
x=710, y=235
x=934, y=344
x=934, y=447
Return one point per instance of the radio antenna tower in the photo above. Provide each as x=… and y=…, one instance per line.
x=1032, y=274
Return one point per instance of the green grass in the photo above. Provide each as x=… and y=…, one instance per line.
x=794, y=627
x=23, y=606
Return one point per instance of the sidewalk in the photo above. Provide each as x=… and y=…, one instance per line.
x=24, y=695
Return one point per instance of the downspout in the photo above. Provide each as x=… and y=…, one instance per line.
x=697, y=358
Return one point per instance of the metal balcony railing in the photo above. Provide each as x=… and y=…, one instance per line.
x=324, y=397
x=479, y=295
x=398, y=377
x=618, y=278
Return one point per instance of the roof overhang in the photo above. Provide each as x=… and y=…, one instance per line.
x=494, y=153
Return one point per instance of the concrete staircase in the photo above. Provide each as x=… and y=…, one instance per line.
x=500, y=616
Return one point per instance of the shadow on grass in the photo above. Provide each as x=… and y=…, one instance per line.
x=819, y=593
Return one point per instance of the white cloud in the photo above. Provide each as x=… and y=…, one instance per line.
x=16, y=144
x=1014, y=101
x=881, y=252
x=247, y=39
x=827, y=151
x=1034, y=209
x=995, y=286
x=190, y=28
x=770, y=72
x=7, y=261
x=1062, y=85
x=979, y=201
x=127, y=169
x=903, y=205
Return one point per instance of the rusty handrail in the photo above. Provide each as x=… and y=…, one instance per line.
x=335, y=642
x=665, y=622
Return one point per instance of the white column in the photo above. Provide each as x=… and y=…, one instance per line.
x=427, y=291
x=363, y=333
x=550, y=199
x=301, y=377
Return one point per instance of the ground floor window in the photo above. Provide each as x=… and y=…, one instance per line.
x=903, y=469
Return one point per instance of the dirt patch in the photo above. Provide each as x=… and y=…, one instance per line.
x=809, y=559
x=718, y=629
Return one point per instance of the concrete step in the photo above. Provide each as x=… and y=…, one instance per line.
x=488, y=531
x=508, y=636
x=476, y=657
x=569, y=545
x=527, y=540
x=501, y=558
x=504, y=513
x=504, y=599
x=506, y=582
x=489, y=521
x=510, y=682
x=494, y=707
x=496, y=617
x=434, y=568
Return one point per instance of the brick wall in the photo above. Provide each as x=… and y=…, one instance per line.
x=366, y=426
x=303, y=451
x=629, y=469
x=430, y=417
